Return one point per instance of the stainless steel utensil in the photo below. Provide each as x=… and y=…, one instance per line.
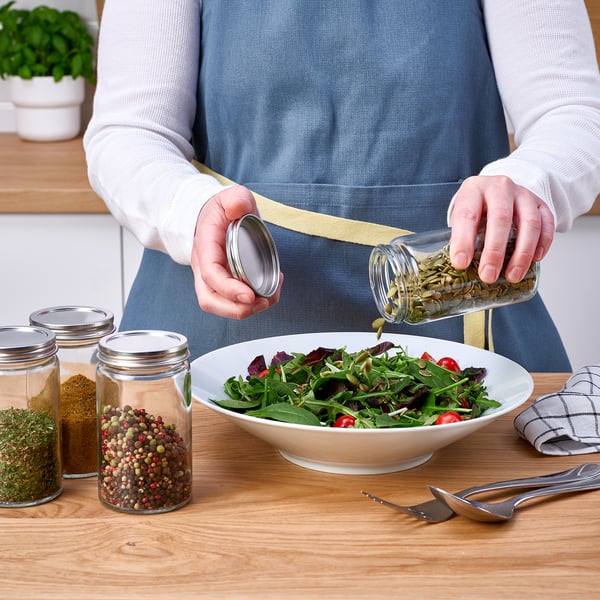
x=437, y=511
x=502, y=511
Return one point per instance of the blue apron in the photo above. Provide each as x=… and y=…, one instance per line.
x=373, y=111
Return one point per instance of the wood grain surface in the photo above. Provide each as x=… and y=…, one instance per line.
x=45, y=177
x=261, y=527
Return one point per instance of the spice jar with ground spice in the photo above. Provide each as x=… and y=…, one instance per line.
x=413, y=281
x=30, y=447
x=78, y=329
x=143, y=386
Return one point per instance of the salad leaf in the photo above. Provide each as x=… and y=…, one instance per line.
x=380, y=387
x=282, y=411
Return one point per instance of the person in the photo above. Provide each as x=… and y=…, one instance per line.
x=393, y=113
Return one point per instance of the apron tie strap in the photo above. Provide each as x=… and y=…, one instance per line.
x=354, y=232
x=311, y=223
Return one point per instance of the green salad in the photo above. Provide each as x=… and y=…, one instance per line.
x=379, y=387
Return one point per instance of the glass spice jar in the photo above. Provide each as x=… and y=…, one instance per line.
x=30, y=451
x=144, y=406
x=413, y=281
x=78, y=329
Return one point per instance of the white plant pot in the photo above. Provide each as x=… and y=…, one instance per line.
x=46, y=110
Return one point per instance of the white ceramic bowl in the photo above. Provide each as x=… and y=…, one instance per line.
x=358, y=451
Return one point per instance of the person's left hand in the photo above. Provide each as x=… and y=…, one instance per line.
x=499, y=203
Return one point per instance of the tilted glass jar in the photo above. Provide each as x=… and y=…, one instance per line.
x=413, y=281
x=30, y=448
x=78, y=329
x=143, y=386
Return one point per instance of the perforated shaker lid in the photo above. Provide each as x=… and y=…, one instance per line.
x=252, y=255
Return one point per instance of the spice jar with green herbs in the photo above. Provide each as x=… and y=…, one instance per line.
x=30, y=448
x=78, y=329
x=143, y=386
x=413, y=281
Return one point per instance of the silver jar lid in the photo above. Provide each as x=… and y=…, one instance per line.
x=22, y=344
x=143, y=350
x=252, y=255
x=74, y=325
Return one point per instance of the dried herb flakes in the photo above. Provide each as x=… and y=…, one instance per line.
x=29, y=456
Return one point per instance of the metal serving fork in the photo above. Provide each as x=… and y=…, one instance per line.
x=436, y=511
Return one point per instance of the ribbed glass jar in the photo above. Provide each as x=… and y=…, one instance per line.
x=78, y=329
x=413, y=281
x=30, y=450
x=143, y=386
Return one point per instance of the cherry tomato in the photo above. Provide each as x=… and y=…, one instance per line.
x=427, y=356
x=448, y=417
x=448, y=363
x=344, y=421
x=265, y=372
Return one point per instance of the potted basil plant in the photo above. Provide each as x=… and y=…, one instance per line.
x=46, y=55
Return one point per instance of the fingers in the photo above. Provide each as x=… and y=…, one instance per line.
x=217, y=290
x=500, y=204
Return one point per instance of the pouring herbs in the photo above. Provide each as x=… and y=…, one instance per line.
x=379, y=387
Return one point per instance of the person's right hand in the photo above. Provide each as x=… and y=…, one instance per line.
x=217, y=290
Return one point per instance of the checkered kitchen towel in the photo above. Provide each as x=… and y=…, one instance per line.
x=568, y=421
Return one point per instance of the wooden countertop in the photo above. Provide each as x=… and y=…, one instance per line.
x=45, y=177
x=261, y=527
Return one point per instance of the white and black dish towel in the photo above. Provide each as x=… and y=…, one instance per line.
x=568, y=421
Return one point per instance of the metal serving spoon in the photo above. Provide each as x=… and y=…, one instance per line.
x=502, y=511
x=437, y=511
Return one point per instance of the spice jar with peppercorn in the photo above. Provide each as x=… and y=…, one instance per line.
x=30, y=452
x=143, y=385
x=78, y=329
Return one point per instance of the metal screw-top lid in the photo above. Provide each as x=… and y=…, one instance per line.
x=252, y=255
x=74, y=325
x=143, y=350
x=26, y=344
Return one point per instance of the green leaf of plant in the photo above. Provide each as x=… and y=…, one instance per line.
x=282, y=411
x=35, y=36
x=76, y=66
x=44, y=37
x=487, y=403
x=39, y=70
x=29, y=56
x=24, y=72
x=59, y=43
x=237, y=404
x=58, y=73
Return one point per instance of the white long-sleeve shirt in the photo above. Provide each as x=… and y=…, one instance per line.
x=137, y=143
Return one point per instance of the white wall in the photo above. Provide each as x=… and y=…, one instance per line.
x=570, y=287
x=87, y=10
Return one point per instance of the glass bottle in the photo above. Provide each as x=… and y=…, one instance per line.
x=78, y=329
x=144, y=428
x=30, y=446
x=413, y=281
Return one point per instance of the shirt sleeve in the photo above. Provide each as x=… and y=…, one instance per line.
x=137, y=143
x=547, y=74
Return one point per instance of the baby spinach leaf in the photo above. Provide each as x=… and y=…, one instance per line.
x=288, y=413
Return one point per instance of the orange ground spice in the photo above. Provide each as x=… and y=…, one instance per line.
x=78, y=426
